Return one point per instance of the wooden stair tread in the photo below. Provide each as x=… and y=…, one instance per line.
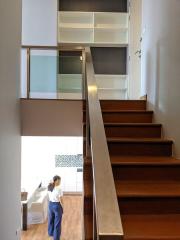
x=124, y=104
x=126, y=111
x=142, y=140
x=151, y=227
x=146, y=175
x=143, y=160
x=141, y=189
x=148, y=189
x=131, y=124
x=123, y=100
x=140, y=160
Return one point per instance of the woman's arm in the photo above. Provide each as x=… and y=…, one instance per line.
x=61, y=201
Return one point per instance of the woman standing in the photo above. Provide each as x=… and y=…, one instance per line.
x=55, y=208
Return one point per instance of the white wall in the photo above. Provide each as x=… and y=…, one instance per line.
x=134, y=45
x=39, y=22
x=161, y=64
x=10, y=40
x=49, y=117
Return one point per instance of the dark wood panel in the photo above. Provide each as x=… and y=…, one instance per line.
x=93, y=5
x=109, y=60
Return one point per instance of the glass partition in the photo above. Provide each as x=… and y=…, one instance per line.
x=51, y=74
x=69, y=82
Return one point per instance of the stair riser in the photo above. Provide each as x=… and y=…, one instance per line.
x=149, y=205
x=131, y=117
x=123, y=105
x=140, y=149
x=131, y=132
x=127, y=117
x=146, y=173
x=149, y=173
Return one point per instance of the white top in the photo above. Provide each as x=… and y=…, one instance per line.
x=55, y=195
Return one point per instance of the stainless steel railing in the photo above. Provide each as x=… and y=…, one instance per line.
x=106, y=221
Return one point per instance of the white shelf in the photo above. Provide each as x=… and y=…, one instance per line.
x=85, y=18
x=113, y=89
x=75, y=25
x=113, y=19
x=102, y=35
x=93, y=28
x=76, y=35
x=111, y=26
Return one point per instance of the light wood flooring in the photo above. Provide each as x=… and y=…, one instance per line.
x=71, y=224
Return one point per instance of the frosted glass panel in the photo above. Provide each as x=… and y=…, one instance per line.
x=54, y=74
x=43, y=74
x=70, y=76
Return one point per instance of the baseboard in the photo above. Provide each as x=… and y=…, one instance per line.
x=72, y=193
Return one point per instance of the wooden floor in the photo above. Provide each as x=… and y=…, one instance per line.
x=71, y=225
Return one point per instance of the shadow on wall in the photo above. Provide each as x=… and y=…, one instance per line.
x=157, y=76
x=158, y=86
x=152, y=77
x=161, y=64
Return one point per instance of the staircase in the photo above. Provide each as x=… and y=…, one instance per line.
x=147, y=177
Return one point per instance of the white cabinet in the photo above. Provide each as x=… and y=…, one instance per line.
x=93, y=28
x=38, y=211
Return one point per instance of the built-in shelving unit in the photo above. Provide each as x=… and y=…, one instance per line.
x=93, y=28
x=98, y=25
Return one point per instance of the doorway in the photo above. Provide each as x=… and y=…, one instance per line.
x=42, y=158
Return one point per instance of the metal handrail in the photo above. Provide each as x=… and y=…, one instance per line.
x=107, y=220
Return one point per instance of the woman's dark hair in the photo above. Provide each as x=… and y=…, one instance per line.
x=52, y=184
